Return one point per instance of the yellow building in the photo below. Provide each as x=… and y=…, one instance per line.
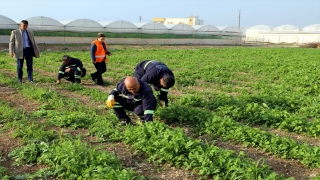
x=191, y=20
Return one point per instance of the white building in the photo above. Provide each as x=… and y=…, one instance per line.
x=191, y=20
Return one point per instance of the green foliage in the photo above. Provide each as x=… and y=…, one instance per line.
x=4, y=173
x=163, y=144
x=72, y=120
x=28, y=154
x=105, y=129
x=34, y=132
x=8, y=114
x=219, y=92
x=73, y=159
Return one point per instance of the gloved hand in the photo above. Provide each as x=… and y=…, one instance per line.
x=110, y=102
x=162, y=103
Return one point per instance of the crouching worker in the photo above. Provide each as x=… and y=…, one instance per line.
x=71, y=69
x=159, y=75
x=133, y=95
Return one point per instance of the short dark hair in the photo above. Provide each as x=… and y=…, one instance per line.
x=168, y=80
x=24, y=21
x=101, y=35
x=65, y=57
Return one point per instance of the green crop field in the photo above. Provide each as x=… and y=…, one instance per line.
x=234, y=113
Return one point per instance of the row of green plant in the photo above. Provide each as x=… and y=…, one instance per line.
x=260, y=107
x=233, y=166
x=279, y=82
x=257, y=110
x=65, y=156
x=206, y=122
x=164, y=144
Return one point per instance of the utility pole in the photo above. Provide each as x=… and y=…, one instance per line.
x=239, y=19
x=140, y=19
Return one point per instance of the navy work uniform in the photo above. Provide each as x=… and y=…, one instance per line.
x=77, y=71
x=151, y=71
x=143, y=104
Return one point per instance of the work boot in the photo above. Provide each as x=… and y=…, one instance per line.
x=125, y=121
x=93, y=78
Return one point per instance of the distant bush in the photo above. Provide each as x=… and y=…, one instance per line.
x=311, y=45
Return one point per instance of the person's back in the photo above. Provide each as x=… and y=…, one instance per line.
x=158, y=74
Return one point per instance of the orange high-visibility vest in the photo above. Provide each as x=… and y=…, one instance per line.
x=100, y=53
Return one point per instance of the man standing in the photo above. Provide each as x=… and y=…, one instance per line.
x=159, y=75
x=22, y=45
x=71, y=69
x=133, y=95
x=99, y=56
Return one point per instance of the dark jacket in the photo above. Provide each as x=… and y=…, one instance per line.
x=75, y=64
x=151, y=71
x=144, y=97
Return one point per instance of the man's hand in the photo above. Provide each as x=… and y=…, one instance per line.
x=67, y=70
x=110, y=102
x=58, y=81
x=11, y=54
x=162, y=103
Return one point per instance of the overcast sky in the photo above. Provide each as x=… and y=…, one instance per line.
x=299, y=13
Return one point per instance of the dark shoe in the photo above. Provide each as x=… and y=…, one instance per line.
x=93, y=78
x=100, y=84
x=125, y=122
x=20, y=80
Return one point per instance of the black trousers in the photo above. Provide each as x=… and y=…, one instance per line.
x=28, y=56
x=75, y=76
x=101, y=68
x=122, y=104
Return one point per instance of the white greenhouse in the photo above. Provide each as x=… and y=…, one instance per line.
x=41, y=23
x=126, y=32
x=7, y=23
x=284, y=34
x=206, y=29
x=152, y=28
x=180, y=29
x=120, y=26
x=84, y=25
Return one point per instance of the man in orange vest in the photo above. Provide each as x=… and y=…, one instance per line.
x=98, y=53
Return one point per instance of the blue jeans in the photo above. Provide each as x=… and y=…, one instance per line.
x=27, y=55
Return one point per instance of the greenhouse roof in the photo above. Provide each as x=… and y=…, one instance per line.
x=152, y=28
x=7, y=23
x=286, y=29
x=41, y=23
x=260, y=28
x=314, y=28
x=84, y=25
x=121, y=26
x=182, y=29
